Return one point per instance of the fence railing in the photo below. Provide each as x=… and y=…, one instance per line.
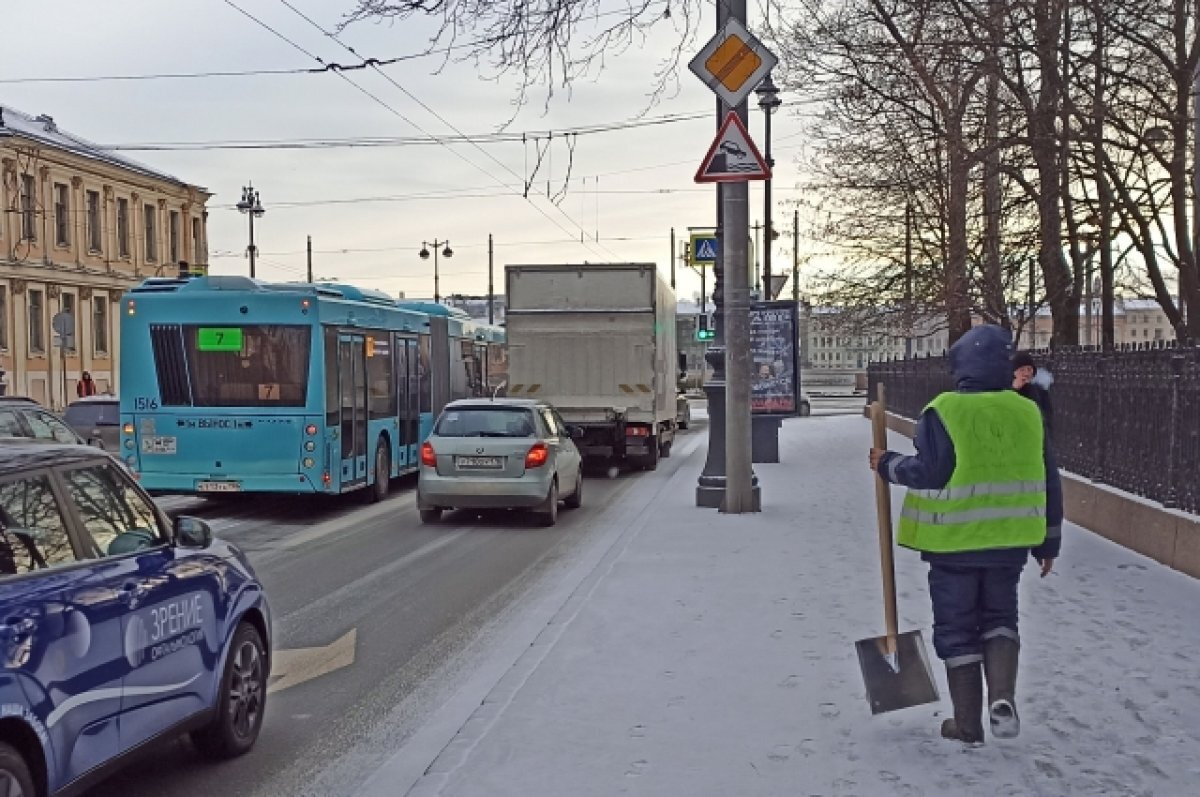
x=1128, y=418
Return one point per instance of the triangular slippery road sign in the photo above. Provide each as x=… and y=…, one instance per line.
x=732, y=158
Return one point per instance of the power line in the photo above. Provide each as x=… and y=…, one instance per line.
x=403, y=141
x=446, y=122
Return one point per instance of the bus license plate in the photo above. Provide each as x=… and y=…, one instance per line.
x=479, y=462
x=158, y=445
x=218, y=487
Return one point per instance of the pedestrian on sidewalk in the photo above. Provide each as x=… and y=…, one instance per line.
x=984, y=494
x=86, y=386
x=1034, y=384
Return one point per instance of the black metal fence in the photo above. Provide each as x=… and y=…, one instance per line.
x=1128, y=418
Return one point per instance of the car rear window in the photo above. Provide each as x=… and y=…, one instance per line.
x=486, y=422
x=93, y=413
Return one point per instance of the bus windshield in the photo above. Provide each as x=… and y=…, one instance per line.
x=247, y=366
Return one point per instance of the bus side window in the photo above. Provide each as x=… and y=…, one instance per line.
x=424, y=377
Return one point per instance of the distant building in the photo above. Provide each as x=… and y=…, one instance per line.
x=1135, y=321
x=80, y=225
x=477, y=306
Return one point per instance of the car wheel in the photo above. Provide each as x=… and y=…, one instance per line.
x=15, y=778
x=383, y=474
x=575, y=499
x=242, y=700
x=805, y=409
x=549, y=513
x=430, y=515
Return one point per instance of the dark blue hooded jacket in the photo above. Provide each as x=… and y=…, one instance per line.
x=982, y=362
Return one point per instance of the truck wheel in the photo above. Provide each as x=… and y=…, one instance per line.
x=430, y=515
x=665, y=450
x=650, y=461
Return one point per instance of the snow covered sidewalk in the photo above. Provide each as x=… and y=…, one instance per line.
x=714, y=655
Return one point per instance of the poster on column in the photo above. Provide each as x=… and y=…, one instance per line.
x=776, y=373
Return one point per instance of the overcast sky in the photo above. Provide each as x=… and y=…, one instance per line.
x=628, y=187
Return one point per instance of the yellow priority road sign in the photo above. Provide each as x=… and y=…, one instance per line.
x=733, y=63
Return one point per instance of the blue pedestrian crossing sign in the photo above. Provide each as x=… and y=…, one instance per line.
x=704, y=249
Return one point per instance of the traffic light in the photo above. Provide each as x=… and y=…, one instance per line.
x=702, y=330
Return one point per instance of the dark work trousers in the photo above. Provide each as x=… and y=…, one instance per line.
x=971, y=604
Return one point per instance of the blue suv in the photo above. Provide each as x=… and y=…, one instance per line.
x=117, y=627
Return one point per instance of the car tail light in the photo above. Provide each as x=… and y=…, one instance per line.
x=537, y=456
x=428, y=455
x=637, y=431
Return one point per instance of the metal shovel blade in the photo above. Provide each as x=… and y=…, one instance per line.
x=900, y=679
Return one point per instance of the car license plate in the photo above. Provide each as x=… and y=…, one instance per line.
x=472, y=463
x=158, y=445
x=219, y=487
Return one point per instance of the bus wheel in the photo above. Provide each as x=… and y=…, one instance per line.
x=383, y=474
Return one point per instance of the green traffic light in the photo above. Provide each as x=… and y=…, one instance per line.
x=705, y=334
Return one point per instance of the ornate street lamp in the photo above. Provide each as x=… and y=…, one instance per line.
x=251, y=205
x=446, y=252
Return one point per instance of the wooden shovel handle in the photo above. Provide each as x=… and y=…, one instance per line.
x=883, y=507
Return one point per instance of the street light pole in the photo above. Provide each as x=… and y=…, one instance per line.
x=768, y=101
x=446, y=252
x=251, y=205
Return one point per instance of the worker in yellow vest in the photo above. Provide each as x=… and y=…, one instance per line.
x=984, y=494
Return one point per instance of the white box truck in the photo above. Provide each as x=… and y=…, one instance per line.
x=598, y=342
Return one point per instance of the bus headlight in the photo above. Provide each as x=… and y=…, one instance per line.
x=309, y=462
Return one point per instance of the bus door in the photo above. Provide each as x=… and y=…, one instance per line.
x=408, y=398
x=352, y=387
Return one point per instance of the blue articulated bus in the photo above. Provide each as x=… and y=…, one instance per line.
x=232, y=385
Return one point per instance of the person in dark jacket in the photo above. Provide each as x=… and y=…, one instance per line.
x=1034, y=384
x=984, y=494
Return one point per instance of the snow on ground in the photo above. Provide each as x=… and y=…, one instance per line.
x=714, y=655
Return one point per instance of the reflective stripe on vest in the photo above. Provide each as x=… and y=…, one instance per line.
x=996, y=497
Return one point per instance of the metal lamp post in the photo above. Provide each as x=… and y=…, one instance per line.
x=768, y=101
x=251, y=205
x=446, y=252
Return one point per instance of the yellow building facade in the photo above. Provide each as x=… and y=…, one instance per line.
x=80, y=225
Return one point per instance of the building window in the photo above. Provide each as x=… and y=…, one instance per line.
x=174, y=237
x=123, y=227
x=37, y=322
x=62, y=215
x=100, y=324
x=1158, y=333
x=28, y=208
x=4, y=317
x=93, y=221
x=198, y=254
x=151, y=234
x=68, y=307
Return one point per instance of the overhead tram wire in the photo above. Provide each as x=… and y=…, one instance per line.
x=393, y=111
x=448, y=124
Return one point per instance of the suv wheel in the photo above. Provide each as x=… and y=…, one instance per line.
x=15, y=777
x=241, y=701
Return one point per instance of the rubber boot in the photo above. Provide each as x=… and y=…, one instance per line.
x=966, y=692
x=1000, y=655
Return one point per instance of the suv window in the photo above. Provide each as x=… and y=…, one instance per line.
x=46, y=427
x=118, y=520
x=32, y=533
x=10, y=425
x=93, y=414
x=485, y=422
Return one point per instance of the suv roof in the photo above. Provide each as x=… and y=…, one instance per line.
x=18, y=400
x=18, y=454
x=96, y=400
x=484, y=403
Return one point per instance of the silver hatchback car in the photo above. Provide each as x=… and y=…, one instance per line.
x=499, y=453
